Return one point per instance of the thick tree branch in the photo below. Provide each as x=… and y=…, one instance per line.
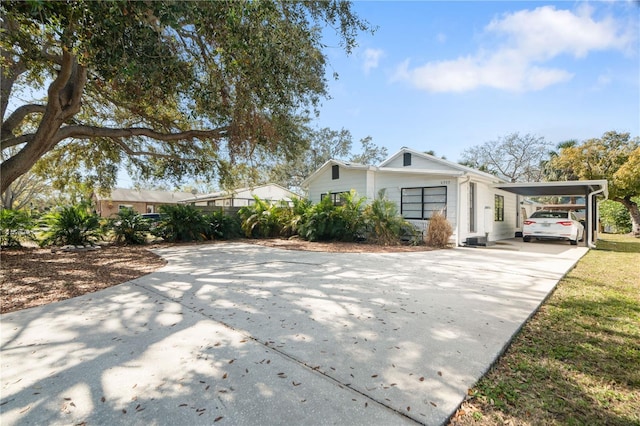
x=17, y=140
x=8, y=78
x=84, y=132
x=12, y=69
x=64, y=101
x=18, y=115
x=61, y=81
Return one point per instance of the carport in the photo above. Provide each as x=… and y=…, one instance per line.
x=589, y=189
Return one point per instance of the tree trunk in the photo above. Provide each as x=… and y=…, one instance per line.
x=635, y=214
x=63, y=101
x=7, y=199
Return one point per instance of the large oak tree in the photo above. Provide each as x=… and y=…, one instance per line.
x=167, y=88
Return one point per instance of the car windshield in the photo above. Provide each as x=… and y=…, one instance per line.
x=542, y=214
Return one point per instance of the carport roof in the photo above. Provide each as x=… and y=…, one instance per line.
x=566, y=188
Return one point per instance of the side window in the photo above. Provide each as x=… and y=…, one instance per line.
x=499, y=208
x=472, y=207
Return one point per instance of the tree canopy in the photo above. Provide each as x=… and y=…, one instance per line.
x=614, y=157
x=166, y=88
x=325, y=144
x=514, y=157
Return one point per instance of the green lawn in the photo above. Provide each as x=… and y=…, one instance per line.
x=577, y=361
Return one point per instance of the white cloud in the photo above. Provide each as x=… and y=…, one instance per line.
x=529, y=39
x=441, y=37
x=371, y=59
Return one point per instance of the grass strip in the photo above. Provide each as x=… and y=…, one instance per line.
x=577, y=361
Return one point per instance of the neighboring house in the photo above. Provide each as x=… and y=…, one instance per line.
x=421, y=184
x=242, y=197
x=143, y=201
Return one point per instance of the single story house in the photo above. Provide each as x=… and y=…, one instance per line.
x=479, y=205
x=242, y=197
x=141, y=201
x=422, y=184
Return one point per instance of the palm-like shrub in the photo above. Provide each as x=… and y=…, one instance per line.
x=129, y=227
x=292, y=217
x=73, y=225
x=261, y=219
x=385, y=225
x=222, y=226
x=349, y=216
x=181, y=223
x=318, y=222
x=15, y=226
x=326, y=222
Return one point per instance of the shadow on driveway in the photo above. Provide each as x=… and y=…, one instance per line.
x=243, y=334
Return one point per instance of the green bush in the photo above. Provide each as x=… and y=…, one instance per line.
x=350, y=216
x=73, y=225
x=385, y=225
x=15, y=226
x=222, y=226
x=181, y=223
x=261, y=219
x=326, y=222
x=615, y=215
x=293, y=217
x=129, y=227
x=317, y=223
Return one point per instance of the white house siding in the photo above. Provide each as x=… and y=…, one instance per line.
x=507, y=228
x=485, y=218
x=393, y=183
x=349, y=179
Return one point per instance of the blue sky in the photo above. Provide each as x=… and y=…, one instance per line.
x=445, y=76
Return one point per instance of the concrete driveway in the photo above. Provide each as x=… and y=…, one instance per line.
x=240, y=334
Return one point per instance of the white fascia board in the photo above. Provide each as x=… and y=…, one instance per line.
x=420, y=171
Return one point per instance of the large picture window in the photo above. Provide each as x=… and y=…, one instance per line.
x=336, y=197
x=422, y=203
x=498, y=211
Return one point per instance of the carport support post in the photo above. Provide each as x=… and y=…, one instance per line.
x=588, y=226
x=594, y=219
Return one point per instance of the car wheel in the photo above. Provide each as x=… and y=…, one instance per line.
x=573, y=242
x=526, y=239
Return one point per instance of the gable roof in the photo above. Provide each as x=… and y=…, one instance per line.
x=233, y=192
x=448, y=167
x=144, y=196
x=442, y=161
x=331, y=162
